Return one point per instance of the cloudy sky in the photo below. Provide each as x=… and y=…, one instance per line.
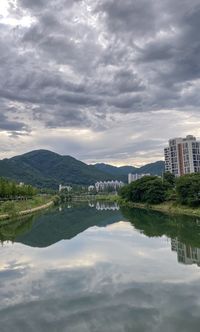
x=101, y=80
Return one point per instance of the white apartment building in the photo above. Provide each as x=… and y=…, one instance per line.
x=108, y=185
x=68, y=188
x=182, y=156
x=134, y=177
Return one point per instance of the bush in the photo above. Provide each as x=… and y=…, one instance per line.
x=9, y=208
x=188, y=189
x=149, y=189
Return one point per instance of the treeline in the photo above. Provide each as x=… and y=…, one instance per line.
x=154, y=190
x=12, y=190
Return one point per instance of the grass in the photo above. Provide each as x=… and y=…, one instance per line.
x=107, y=197
x=14, y=207
x=166, y=207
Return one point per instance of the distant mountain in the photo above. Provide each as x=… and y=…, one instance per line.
x=117, y=171
x=46, y=169
x=156, y=168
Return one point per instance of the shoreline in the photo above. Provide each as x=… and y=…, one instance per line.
x=6, y=216
x=166, y=207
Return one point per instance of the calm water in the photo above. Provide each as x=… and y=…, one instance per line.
x=94, y=268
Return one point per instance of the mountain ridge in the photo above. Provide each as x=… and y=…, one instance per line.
x=44, y=168
x=155, y=168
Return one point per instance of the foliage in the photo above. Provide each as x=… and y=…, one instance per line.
x=169, y=179
x=46, y=169
x=188, y=189
x=9, y=208
x=10, y=189
x=122, y=172
x=149, y=189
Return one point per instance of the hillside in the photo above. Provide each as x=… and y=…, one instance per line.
x=44, y=168
x=156, y=168
x=116, y=171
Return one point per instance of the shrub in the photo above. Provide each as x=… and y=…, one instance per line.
x=188, y=189
x=149, y=189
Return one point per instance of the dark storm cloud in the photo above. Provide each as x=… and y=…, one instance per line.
x=78, y=62
x=137, y=17
x=12, y=126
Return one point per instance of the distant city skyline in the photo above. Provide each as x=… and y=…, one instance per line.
x=101, y=80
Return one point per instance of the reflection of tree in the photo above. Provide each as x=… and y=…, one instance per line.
x=56, y=225
x=13, y=228
x=185, y=229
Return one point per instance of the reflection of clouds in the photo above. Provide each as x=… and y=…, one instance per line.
x=106, y=279
x=69, y=306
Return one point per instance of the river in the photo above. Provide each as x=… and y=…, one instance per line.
x=96, y=268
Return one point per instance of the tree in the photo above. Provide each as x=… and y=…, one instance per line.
x=148, y=189
x=169, y=179
x=188, y=189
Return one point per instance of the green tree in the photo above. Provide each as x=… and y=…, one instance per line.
x=149, y=189
x=188, y=189
x=169, y=179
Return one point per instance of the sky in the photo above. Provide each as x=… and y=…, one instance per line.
x=101, y=80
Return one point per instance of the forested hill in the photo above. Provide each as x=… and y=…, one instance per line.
x=43, y=168
x=156, y=168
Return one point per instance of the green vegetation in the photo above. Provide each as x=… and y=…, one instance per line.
x=13, y=208
x=188, y=190
x=181, y=195
x=156, y=168
x=46, y=169
x=12, y=190
x=149, y=189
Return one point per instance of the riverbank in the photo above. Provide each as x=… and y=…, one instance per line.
x=166, y=207
x=22, y=208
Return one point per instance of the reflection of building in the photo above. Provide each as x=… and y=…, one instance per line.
x=182, y=156
x=108, y=185
x=134, y=177
x=185, y=253
x=107, y=206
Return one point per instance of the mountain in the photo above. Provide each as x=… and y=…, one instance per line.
x=44, y=168
x=116, y=171
x=156, y=168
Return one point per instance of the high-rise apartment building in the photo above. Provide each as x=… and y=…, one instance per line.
x=182, y=156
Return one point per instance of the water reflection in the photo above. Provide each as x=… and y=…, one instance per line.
x=154, y=224
x=107, y=206
x=56, y=225
x=83, y=270
x=185, y=253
